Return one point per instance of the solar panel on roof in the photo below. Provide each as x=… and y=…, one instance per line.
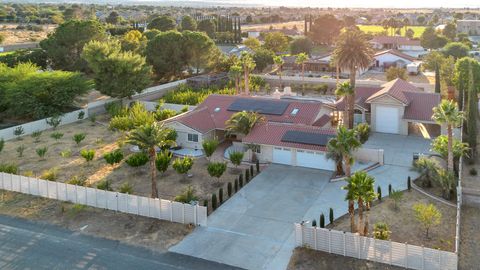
x=293, y=136
x=261, y=106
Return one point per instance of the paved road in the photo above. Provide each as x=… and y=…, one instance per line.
x=28, y=245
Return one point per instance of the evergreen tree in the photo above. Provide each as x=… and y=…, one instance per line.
x=472, y=114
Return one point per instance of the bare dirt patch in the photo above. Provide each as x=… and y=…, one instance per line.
x=309, y=259
x=136, y=230
x=15, y=36
x=405, y=227
x=102, y=140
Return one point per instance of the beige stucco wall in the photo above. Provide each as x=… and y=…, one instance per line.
x=390, y=102
x=182, y=138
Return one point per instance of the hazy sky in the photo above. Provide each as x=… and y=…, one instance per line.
x=360, y=3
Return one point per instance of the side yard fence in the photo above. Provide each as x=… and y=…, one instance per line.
x=125, y=203
x=365, y=248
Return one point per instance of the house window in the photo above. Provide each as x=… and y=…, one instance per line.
x=255, y=148
x=294, y=112
x=192, y=137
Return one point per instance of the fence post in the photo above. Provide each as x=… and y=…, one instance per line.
x=66, y=192
x=374, y=250
x=329, y=241
x=359, y=247
x=183, y=213
x=406, y=255
x=3, y=178
x=56, y=192
x=195, y=213
x=344, y=244
x=423, y=257
x=96, y=198
x=159, y=208
x=76, y=195
x=138, y=205
x=29, y=180
x=315, y=237
x=116, y=200
x=48, y=191
x=390, y=252
x=20, y=184
x=171, y=210
x=106, y=198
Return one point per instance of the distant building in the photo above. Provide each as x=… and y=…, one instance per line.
x=411, y=47
x=470, y=27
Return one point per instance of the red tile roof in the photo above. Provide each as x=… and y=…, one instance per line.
x=397, y=53
x=395, y=89
x=213, y=113
x=361, y=95
x=322, y=121
x=272, y=133
x=421, y=105
x=396, y=40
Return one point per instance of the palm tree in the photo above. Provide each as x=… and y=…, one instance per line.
x=448, y=113
x=427, y=168
x=360, y=188
x=243, y=122
x=248, y=65
x=147, y=137
x=353, y=52
x=235, y=74
x=345, y=90
x=301, y=60
x=333, y=153
x=351, y=197
x=279, y=62
x=446, y=180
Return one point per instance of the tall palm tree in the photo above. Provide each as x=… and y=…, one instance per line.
x=301, y=60
x=447, y=113
x=353, y=52
x=243, y=122
x=147, y=137
x=235, y=74
x=333, y=153
x=279, y=62
x=248, y=65
x=360, y=188
x=346, y=91
x=351, y=197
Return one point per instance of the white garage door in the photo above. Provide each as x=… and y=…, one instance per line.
x=387, y=120
x=282, y=155
x=316, y=160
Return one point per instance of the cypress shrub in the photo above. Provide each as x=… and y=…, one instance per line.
x=214, y=201
x=322, y=221
x=220, y=195
x=251, y=171
x=389, y=189
x=379, y=192
x=247, y=175
x=330, y=216
x=257, y=164
x=229, y=189
x=235, y=185
x=205, y=203
x=409, y=183
x=314, y=223
x=240, y=181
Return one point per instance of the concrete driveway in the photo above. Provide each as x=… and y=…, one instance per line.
x=254, y=229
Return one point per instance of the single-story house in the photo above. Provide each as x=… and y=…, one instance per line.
x=392, y=57
x=397, y=107
x=411, y=47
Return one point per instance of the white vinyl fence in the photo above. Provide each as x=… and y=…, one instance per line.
x=41, y=125
x=132, y=204
x=365, y=248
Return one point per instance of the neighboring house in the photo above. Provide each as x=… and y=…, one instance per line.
x=208, y=80
x=391, y=58
x=470, y=27
x=236, y=50
x=411, y=47
x=397, y=107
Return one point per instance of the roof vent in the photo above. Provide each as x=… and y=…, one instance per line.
x=294, y=112
x=217, y=109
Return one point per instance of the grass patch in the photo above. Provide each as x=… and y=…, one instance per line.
x=418, y=30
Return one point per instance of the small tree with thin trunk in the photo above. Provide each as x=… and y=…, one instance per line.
x=209, y=147
x=216, y=169
x=182, y=165
x=236, y=158
x=428, y=215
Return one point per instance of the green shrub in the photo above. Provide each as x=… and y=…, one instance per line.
x=251, y=171
x=247, y=175
x=126, y=188
x=257, y=164
x=79, y=137
x=105, y=185
x=235, y=185
x=137, y=159
x=50, y=174
x=163, y=160
x=164, y=114
x=77, y=181
x=389, y=189
x=28, y=173
x=93, y=119
x=81, y=115
x=182, y=165
x=216, y=169
x=381, y=231
x=66, y=153
x=41, y=152
x=2, y=144
x=473, y=172
x=322, y=221
x=214, y=201
x=187, y=96
x=220, y=195
x=115, y=109
x=18, y=132
x=184, y=109
x=209, y=146
x=187, y=196
x=379, y=193
x=396, y=197
x=236, y=157
x=56, y=136
x=54, y=121
x=88, y=154
x=205, y=203
x=8, y=168
x=331, y=218
x=20, y=150
x=240, y=181
x=314, y=223
x=363, y=132
x=229, y=189
x=409, y=183
x=36, y=136
x=113, y=157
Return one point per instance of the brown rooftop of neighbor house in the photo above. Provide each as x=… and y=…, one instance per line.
x=397, y=53
x=395, y=89
x=398, y=40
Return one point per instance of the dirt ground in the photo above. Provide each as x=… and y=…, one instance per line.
x=278, y=26
x=102, y=140
x=420, y=78
x=470, y=238
x=148, y=232
x=309, y=259
x=14, y=36
x=405, y=227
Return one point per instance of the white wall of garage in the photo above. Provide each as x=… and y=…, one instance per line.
x=386, y=101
